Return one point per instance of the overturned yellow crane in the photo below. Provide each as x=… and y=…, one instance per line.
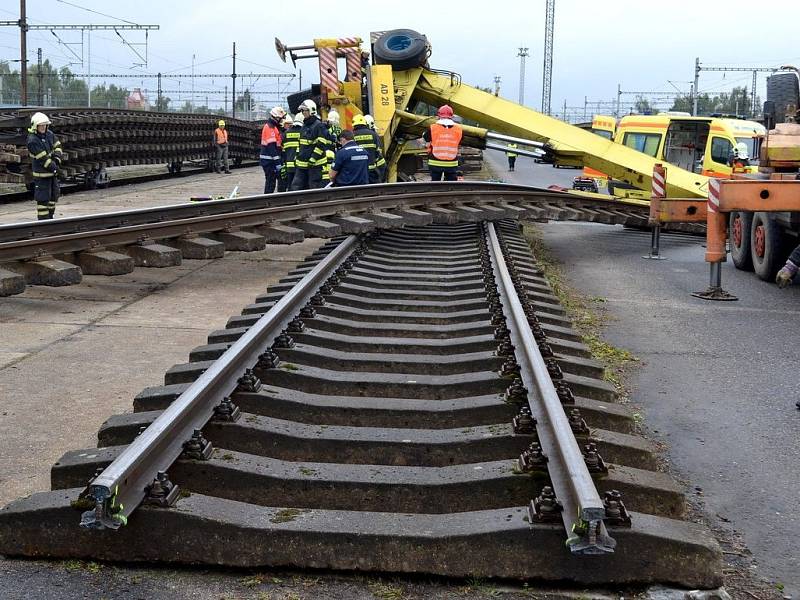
x=399, y=77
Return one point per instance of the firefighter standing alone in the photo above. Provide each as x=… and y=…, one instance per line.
x=46, y=154
x=443, y=139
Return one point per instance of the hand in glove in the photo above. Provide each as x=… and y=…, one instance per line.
x=278, y=168
x=786, y=274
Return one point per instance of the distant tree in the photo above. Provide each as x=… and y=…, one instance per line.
x=737, y=102
x=643, y=107
x=110, y=97
x=162, y=104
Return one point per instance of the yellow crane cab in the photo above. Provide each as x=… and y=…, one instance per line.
x=605, y=126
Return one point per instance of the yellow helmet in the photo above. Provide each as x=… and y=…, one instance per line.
x=221, y=123
x=359, y=120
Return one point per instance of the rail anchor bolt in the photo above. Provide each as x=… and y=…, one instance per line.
x=516, y=393
x=577, y=423
x=198, y=447
x=524, y=423
x=545, y=508
x=283, y=341
x=162, y=492
x=594, y=462
x=249, y=382
x=554, y=369
x=564, y=392
x=227, y=411
x=267, y=360
x=510, y=368
x=616, y=513
x=532, y=459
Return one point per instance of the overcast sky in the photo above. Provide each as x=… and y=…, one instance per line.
x=598, y=44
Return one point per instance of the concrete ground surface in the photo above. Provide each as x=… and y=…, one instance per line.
x=71, y=357
x=717, y=381
x=142, y=195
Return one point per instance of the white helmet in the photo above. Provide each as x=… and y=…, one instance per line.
x=309, y=105
x=370, y=121
x=287, y=120
x=298, y=119
x=741, y=151
x=39, y=119
x=277, y=113
x=333, y=116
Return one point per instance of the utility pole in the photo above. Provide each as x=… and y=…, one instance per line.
x=89, y=68
x=160, y=107
x=547, y=71
x=23, y=52
x=523, y=54
x=619, y=99
x=39, y=75
x=233, y=76
x=24, y=27
x=696, y=85
x=497, y=85
x=193, y=81
x=225, y=102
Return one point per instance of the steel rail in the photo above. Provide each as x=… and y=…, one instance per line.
x=583, y=510
x=121, y=487
x=26, y=230
x=131, y=234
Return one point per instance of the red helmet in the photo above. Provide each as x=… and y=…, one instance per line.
x=445, y=112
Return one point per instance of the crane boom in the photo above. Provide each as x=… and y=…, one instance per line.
x=510, y=118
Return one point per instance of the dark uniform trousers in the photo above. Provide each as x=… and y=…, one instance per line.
x=307, y=178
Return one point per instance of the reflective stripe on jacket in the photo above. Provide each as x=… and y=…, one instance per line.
x=369, y=141
x=510, y=152
x=444, y=145
x=313, y=141
x=44, y=150
x=291, y=144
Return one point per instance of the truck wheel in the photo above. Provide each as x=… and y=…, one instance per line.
x=782, y=89
x=402, y=49
x=766, y=246
x=740, y=224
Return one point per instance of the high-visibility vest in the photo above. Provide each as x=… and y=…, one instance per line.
x=444, y=145
x=221, y=135
x=510, y=152
x=326, y=168
x=270, y=135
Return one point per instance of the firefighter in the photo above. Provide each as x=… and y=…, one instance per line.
x=270, y=157
x=46, y=155
x=334, y=129
x=311, y=158
x=287, y=153
x=326, y=169
x=221, y=147
x=291, y=147
x=369, y=140
x=511, y=156
x=351, y=165
x=443, y=139
x=380, y=161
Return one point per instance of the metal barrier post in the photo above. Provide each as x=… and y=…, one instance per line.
x=658, y=191
x=715, y=246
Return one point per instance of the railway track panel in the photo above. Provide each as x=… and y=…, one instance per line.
x=61, y=251
x=95, y=139
x=391, y=426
